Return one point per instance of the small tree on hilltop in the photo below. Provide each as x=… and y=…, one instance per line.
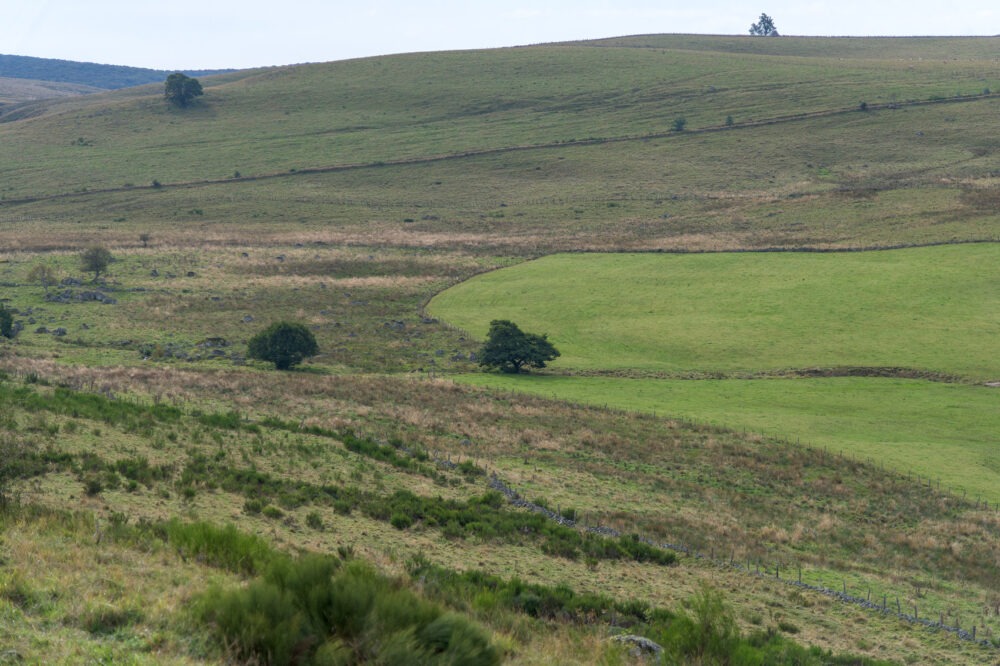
x=181, y=89
x=509, y=349
x=764, y=28
x=95, y=259
x=286, y=344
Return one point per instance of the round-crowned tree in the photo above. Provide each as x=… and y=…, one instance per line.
x=508, y=348
x=95, y=259
x=180, y=89
x=283, y=343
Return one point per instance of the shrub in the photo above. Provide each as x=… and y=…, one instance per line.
x=224, y=547
x=285, y=344
x=314, y=520
x=679, y=124
x=6, y=322
x=314, y=610
x=273, y=512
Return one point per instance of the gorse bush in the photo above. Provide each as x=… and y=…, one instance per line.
x=286, y=344
x=317, y=610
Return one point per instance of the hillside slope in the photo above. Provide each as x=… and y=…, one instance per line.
x=346, y=195
x=538, y=144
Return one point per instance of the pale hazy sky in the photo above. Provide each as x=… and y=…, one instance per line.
x=209, y=34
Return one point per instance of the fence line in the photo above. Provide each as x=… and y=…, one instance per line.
x=843, y=596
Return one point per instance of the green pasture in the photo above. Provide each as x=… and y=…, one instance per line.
x=931, y=309
x=744, y=315
x=945, y=432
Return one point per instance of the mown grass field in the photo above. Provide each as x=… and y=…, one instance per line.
x=365, y=188
x=931, y=309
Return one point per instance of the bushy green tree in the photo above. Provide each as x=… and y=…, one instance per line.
x=95, y=259
x=181, y=89
x=286, y=344
x=6, y=322
x=509, y=349
x=764, y=27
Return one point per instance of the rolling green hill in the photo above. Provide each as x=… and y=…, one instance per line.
x=348, y=195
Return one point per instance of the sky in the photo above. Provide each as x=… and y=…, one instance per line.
x=217, y=34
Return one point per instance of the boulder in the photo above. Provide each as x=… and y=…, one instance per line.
x=641, y=647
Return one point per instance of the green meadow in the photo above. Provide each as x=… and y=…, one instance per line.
x=933, y=309
x=673, y=320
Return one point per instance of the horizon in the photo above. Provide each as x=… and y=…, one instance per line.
x=486, y=48
x=249, y=34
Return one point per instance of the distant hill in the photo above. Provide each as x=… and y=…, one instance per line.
x=28, y=90
x=106, y=77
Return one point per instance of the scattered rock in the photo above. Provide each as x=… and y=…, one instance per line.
x=439, y=352
x=41, y=329
x=68, y=296
x=248, y=319
x=395, y=325
x=640, y=646
x=244, y=255
x=71, y=282
x=59, y=332
x=190, y=274
x=154, y=273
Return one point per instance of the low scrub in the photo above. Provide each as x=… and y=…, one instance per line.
x=316, y=610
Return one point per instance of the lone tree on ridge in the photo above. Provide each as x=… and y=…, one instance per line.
x=764, y=28
x=181, y=89
x=509, y=349
x=286, y=344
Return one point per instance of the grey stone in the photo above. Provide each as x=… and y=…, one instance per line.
x=640, y=646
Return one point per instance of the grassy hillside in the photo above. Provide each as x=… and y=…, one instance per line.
x=347, y=195
x=844, y=177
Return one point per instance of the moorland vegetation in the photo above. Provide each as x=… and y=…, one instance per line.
x=160, y=484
